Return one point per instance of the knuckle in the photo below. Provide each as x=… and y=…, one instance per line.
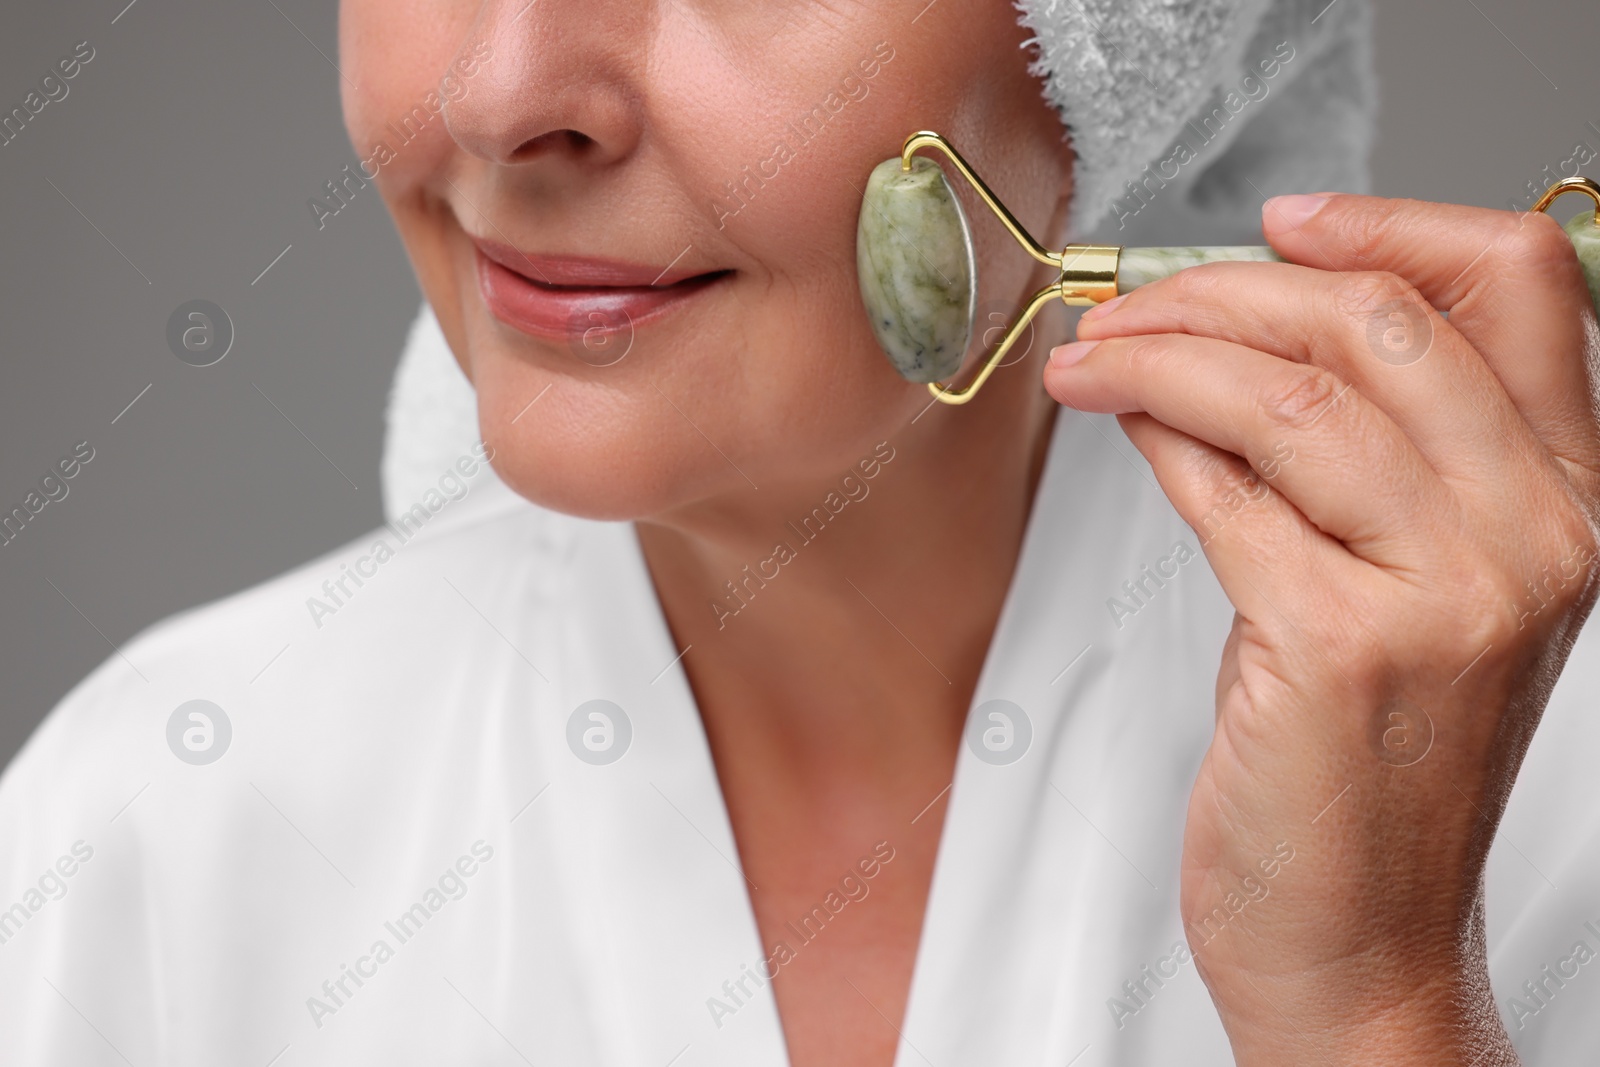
x=1201, y=283
x=1575, y=526
x=1207, y=299
x=1568, y=555
x=1535, y=247
x=1300, y=395
x=1147, y=351
x=1238, y=482
x=1368, y=231
x=1554, y=574
x=1233, y=489
x=1535, y=239
x=1368, y=294
x=1478, y=605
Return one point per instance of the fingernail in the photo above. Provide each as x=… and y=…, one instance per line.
x=1100, y=311
x=1295, y=211
x=1067, y=355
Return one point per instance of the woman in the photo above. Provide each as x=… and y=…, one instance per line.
x=769, y=717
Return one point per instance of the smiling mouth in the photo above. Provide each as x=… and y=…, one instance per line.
x=568, y=297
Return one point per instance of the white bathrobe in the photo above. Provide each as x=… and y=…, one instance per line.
x=419, y=846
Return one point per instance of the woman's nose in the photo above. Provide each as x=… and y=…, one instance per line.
x=562, y=82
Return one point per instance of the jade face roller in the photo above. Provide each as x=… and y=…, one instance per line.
x=919, y=278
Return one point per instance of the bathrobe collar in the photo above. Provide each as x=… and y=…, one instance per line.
x=1105, y=694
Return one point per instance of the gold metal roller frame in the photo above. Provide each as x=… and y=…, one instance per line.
x=1087, y=274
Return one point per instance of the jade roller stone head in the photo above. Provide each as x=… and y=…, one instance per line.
x=916, y=267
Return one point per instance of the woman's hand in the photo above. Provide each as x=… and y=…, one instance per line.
x=1401, y=509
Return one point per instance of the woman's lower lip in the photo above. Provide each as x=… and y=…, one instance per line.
x=562, y=314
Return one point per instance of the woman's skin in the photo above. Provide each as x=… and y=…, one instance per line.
x=834, y=698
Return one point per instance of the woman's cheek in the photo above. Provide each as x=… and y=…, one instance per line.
x=392, y=56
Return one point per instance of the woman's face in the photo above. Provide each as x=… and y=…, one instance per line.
x=636, y=221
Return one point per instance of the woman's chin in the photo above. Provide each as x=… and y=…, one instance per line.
x=587, y=484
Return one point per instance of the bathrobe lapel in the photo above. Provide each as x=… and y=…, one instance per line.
x=647, y=846
x=1057, y=876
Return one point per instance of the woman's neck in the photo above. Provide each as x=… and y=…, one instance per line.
x=835, y=632
x=858, y=608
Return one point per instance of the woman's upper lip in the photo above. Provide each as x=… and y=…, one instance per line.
x=584, y=272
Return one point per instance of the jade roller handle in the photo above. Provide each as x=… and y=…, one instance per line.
x=1141, y=266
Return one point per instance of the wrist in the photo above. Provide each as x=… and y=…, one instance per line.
x=1437, y=1024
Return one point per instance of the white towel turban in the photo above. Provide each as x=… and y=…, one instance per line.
x=1207, y=107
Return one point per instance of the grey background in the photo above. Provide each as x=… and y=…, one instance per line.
x=192, y=142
